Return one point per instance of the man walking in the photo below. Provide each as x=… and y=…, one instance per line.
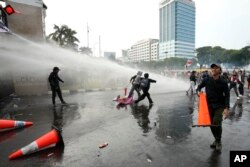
x=54, y=84
x=218, y=97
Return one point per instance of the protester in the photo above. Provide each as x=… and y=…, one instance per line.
x=135, y=80
x=192, y=79
x=248, y=80
x=145, y=86
x=54, y=84
x=218, y=97
x=241, y=82
x=233, y=83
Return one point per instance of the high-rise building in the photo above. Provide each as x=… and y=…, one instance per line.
x=144, y=50
x=177, y=29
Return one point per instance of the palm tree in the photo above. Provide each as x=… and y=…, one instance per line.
x=64, y=36
x=70, y=38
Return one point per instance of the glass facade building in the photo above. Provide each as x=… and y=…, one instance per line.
x=177, y=29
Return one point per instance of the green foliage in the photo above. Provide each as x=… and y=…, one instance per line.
x=86, y=50
x=172, y=63
x=217, y=54
x=64, y=36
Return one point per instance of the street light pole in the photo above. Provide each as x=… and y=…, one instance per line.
x=87, y=35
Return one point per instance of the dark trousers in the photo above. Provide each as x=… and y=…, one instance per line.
x=241, y=89
x=235, y=89
x=136, y=88
x=216, y=119
x=56, y=89
x=145, y=94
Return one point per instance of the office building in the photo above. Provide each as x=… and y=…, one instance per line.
x=177, y=29
x=144, y=50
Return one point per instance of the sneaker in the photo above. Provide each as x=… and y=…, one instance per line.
x=218, y=146
x=240, y=95
x=238, y=98
x=213, y=145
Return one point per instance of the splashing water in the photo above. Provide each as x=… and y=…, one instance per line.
x=30, y=64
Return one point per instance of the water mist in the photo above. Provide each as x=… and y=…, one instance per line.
x=30, y=63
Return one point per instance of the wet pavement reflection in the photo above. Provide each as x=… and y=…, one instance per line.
x=140, y=113
x=137, y=135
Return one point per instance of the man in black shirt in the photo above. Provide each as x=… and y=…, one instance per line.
x=54, y=84
x=145, y=86
x=217, y=95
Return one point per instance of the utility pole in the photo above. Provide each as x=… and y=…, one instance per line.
x=100, y=51
x=87, y=35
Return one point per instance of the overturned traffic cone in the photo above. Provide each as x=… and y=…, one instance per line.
x=13, y=124
x=48, y=140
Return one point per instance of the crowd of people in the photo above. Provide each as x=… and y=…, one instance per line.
x=214, y=82
x=236, y=80
x=217, y=85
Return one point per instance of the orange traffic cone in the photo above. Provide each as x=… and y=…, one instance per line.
x=48, y=140
x=125, y=91
x=12, y=124
x=203, y=113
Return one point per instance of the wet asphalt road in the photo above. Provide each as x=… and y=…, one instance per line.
x=138, y=135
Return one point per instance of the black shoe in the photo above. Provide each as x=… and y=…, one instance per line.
x=151, y=102
x=213, y=145
x=218, y=146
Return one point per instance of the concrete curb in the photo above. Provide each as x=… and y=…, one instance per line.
x=86, y=90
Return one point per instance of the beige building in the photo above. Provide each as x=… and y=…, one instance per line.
x=155, y=51
x=144, y=50
x=30, y=22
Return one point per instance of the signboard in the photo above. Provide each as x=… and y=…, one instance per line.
x=189, y=63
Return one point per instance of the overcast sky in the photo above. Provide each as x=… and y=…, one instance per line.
x=121, y=23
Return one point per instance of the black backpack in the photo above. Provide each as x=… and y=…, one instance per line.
x=144, y=83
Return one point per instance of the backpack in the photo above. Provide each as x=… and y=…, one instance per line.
x=144, y=83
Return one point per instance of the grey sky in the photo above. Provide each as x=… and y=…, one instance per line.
x=121, y=23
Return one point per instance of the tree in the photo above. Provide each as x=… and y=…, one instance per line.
x=86, y=50
x=64, y=36
x=70, y=39
x=204, y=55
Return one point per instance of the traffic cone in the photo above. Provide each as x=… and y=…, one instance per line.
x=125, y=91
x=13, y=124
x=203, y=113
x=48, y=140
